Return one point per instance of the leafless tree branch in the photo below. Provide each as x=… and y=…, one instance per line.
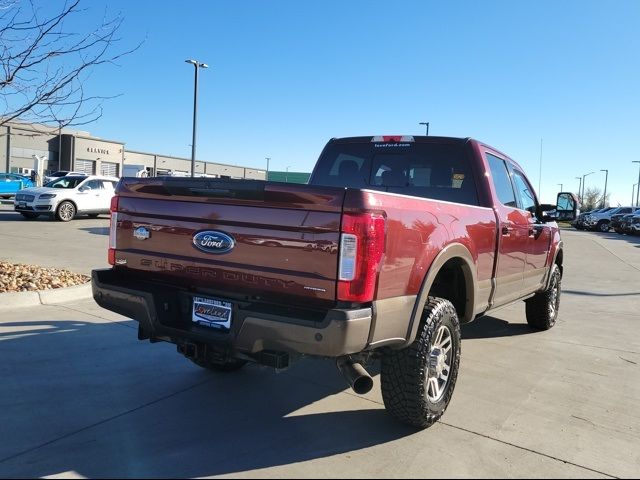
x=45, y=67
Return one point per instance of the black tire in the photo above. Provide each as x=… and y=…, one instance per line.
x=66, y=211
x=406, y=377
x=603, y=226
x=542, y=309
x=29, y=215
x=228, y=367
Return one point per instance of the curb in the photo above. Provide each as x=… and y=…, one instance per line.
x=11, y=300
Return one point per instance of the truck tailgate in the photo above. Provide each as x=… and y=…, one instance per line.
x=285, y=237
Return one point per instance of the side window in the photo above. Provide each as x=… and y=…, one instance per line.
x=525, y=193
x=348, y=170
x=502, y=181
x=107, y=185
x=94, y=185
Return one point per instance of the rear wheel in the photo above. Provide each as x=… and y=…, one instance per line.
x=93, y=215
x=542, y=309
x=418, y=381
x=29, y=215
x=66, y=212
x=603, y=226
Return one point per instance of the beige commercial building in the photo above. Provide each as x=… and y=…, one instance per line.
x=21, y=144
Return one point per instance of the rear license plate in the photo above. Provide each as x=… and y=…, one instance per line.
x=212, y=313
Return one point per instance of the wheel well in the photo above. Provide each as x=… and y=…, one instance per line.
x=559, y=259
x=451, y=284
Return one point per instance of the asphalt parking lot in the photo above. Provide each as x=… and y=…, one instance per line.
x=43, y=241
x=80, y=396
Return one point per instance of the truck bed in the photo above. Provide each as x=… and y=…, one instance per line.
x=286, y=236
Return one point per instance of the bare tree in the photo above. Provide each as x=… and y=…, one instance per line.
x=45, y=63
x=593, y=199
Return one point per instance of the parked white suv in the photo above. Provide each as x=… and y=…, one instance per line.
x=602, y=221
x=67, y=197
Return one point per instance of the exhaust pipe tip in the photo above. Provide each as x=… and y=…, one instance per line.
x=355, y=375
x=362, y=385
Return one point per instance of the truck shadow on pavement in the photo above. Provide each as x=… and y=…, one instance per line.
x=96, y=230
x=492, y=327
x=89, y=398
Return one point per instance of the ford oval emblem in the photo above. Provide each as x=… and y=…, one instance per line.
x=210, y=241
x=141, y=233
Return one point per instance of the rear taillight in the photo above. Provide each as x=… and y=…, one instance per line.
x=361, y=249
x=113, y=229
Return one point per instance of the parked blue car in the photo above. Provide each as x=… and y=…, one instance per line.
x=10, y=183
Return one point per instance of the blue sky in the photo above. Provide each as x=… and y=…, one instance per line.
x=286, y=76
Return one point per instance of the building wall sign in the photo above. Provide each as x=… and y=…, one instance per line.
x=102, y=151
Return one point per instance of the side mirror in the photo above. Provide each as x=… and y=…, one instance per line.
x=567, y=206
x=548, y=212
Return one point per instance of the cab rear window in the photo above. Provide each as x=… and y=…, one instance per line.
x=428, y=170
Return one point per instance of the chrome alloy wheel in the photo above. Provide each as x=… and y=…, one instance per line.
x=439, y=365
x=66, y=211
x=554, y=301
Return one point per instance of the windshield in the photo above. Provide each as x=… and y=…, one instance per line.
x=66, y=182
x=441, y=171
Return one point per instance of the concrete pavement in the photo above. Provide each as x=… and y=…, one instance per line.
x=79, y=245
x=80, y=396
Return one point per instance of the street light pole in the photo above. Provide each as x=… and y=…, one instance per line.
x=638, y=190
x=197, y=66
x=583, y=184
x=267, y=159
x=633, y=192
x=604, y=195
x=427, y=125
x=560, y=187
x=579, y=188
x=286, y=175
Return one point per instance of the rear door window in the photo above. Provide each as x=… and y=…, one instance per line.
x=440, y=171
x=94, y=185
x=502, y=181
x=527, y=200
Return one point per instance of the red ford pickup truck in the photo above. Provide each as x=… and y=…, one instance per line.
x=394, y=243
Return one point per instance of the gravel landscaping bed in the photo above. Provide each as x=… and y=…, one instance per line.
x=27, y=278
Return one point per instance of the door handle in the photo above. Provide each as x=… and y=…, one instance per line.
x=535, y=231
x=506, y=231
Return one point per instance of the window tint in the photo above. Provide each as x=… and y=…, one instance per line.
x=431, y=170
x=502, y=181
x=66, y=182
x=525, y=193
x=94, y=185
